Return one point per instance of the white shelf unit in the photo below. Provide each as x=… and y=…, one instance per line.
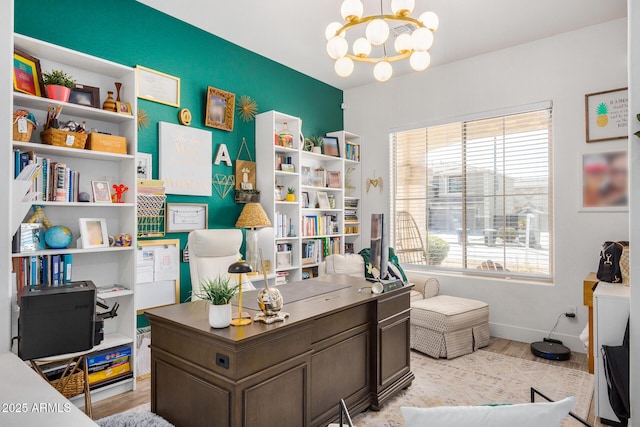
x=268, y=178
x=103, y=266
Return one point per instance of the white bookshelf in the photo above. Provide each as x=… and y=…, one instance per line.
x=104, y=266
x=268, y=125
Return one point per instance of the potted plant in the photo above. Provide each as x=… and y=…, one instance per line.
x=58, y=85
x=314, y=144
x=218, y=293
x=291, y=195
x=247, y=196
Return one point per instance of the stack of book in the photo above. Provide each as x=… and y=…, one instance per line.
x=58, y=183
x=108, y=365
x=42, y=270
x=151, y=187
x=281, y=225
x=316, y=250
x=351, y=210
x=282, y=277
x=319, y=225
x=353, y=151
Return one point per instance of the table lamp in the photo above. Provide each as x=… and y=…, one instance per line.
x=252, y=217
x=239, y=268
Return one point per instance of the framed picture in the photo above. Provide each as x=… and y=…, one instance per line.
x=93, y=233
x=220, y=109
x=606, y=115
x=89, y=96
x=157, y=87
x=305, y=175
x=32, y=237
x=245, y=175
x=123, y=107
x=288, y=167
x=330, y=146
x=27, y=76
x=157, y=273
x=604, y=181
x=283, y=259
x=185, y=217
x=334, y=179
x=101, y=191
x=305, y=199
x=144, y=166
x=323, y=200
x=319, y=178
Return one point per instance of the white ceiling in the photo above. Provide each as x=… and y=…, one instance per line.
x=291, y=32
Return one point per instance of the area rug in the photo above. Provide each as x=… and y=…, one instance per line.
x=482, y=378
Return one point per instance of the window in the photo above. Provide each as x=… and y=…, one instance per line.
x=475, y=196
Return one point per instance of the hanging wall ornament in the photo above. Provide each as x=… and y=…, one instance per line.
x=247, y=108
x=143, y=119
x=376, y=182
x=223, y=184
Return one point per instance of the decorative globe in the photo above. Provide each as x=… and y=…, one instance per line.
x=123, y=239
x=270, y=301
x=58, y=237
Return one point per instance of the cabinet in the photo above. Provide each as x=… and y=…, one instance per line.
x=324, y=218
x=610, y=313
x=105, y=266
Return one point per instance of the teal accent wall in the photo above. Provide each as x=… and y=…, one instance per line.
x=130, y=33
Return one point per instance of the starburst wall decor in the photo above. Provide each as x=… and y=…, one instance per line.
x=247, y=108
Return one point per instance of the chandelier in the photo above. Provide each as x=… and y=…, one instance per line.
x=414, y=45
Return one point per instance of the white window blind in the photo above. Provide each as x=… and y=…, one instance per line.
x=475, y=196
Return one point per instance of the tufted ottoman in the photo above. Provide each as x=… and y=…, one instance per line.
x=447, y=326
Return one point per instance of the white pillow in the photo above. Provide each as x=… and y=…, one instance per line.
x=523, y=415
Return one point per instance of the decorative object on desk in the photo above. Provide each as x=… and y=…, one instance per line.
x=101, y=192
x=58, y=237
x=27, y=76
x=376, y=182
x=39, y=216
x=119, y=189
x=220, y=109
x=184, y=117
x=123, y=108
x=157, y=87
x=269, y=300
x=185, y=217
x=143, y=119
x=330, y=146
x=24, y=123
x=247, y=196
x=118, y=88
x=322, y=200
x=239, y=268
x=291, y=195
x=109, y=104
x=84, y=197
x=604, y=181
x=89, y=96
x=252, y=217
x=122, y=240
x=606, y=115
x=144, y=165
x=247, y=108
x=245, y=169
x=223, y=184
x=218, y=292
x=93, y=233
x=58, y=85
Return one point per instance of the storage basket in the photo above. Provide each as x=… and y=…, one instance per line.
x=63, y=138
x=70, y=386
x=151, y=205
x=23, y=137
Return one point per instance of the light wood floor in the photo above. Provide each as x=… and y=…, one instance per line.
x=142, y=393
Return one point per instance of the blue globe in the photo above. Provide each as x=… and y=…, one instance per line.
x=58, y=237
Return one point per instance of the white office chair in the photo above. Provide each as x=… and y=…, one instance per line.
x=211, y=252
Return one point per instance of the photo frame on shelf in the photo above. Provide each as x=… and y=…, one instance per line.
x=319, y=178
x=123, y=108
x=220, y=109
x=606, y=115
x=305, y=199
x=93, y=233
x=283, y=259
x=288, y=167
x=158, y=87
x=604, y=181
x=89, y=96
x=330, y=146
x=27, y=75
x=305, y=175
x=144, y=166
x=334, y=179
x=101, y=191
x=32, y=237
x=323, y=200
x=185, y=217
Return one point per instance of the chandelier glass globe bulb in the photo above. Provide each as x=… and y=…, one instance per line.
x=377, y=31
x=430, y=20
x=402, y=7
x=420, y=60
x=361, y=47
x=337, y=47
x=351, y=10
x=332, y=29
x=403, y=43
x=382, y=71
x=344, y=66
x=421, y=39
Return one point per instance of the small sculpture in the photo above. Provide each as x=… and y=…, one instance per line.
x=270, y=301
x=120, y=190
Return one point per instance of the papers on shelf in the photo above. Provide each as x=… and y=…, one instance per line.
x=157, y=264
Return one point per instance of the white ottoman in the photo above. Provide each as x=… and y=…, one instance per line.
x=447, y=326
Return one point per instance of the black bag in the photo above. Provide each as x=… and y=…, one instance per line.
x=609, y=268
x=616, y=370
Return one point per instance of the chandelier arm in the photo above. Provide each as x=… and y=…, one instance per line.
x=366, y=19
x=376, y=60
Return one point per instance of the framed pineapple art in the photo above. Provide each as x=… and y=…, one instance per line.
x=607, y=115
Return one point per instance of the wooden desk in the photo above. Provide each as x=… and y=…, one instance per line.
x=587, y=290
x=341, y=344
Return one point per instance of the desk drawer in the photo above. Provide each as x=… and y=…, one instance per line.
x=328, y=326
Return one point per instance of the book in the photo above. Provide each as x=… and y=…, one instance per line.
x=67, y=261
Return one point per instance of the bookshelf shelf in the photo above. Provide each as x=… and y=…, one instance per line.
x=70, y=152
x=73, y=251
x=114, y=294
x=85, y=205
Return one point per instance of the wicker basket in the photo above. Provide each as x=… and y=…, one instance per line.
x=151, y=205
x=62, y=138
x=23, y=137
x=70, y=386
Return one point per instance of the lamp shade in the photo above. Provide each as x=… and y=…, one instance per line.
x=253, y=216
x=239, y=267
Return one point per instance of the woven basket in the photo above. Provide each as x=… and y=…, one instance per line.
x=73, y=385
x=150, y=205
x=62, y=138
x=23, y=137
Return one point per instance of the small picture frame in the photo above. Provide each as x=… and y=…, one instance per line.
x=27, y=75
x=220, y=109
x=330, y=146
x=334, y=179
x=288, y=167
x=605, y=182
x=283, y=259
x=144, y=166
x=32, y=237
x=101, y=191
x=89, y=96
x=319, y=178
x=93, y=233
x=123, y=108
x=305, y=199
x=323, y=200
x=158, y=87
x=305, y=175
x=185, y=217
x=606, y=115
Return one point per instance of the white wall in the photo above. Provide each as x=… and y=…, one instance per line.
x=562, y=69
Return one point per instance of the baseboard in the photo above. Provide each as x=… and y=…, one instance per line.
x=527, y=335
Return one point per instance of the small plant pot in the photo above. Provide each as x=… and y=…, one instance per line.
x=317, y=150
x=290, y=198
x=219, y=316
x=58, y=93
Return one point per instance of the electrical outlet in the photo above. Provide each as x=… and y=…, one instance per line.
x=572, y=309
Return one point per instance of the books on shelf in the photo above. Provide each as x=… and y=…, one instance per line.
x=319, y=225
x=348, y=248
x=151, y=186
x=284, y=226
x=352, y=151
x=108, y=364
x=43, y=270
x=314, y=251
